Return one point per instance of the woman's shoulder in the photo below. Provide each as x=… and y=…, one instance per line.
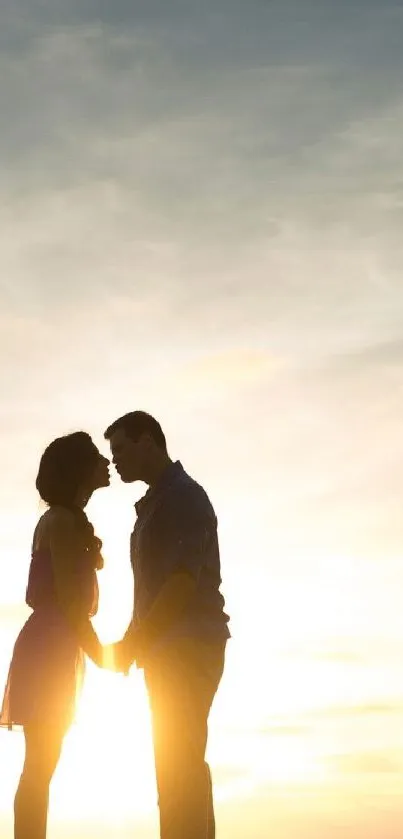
x=59, y=513
x=55, y=519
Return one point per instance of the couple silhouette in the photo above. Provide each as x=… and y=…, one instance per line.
x=178, y=633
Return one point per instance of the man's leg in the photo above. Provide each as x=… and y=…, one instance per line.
x=181, y=685
x=210, y=805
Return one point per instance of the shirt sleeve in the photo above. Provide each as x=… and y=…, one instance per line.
x=189, y=525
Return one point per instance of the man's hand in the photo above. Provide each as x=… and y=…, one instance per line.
x=124, y=653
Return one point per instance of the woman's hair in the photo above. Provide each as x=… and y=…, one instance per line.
x=66, y=465
x=91, y=542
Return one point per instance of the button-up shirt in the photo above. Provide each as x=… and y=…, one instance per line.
x=176, y=530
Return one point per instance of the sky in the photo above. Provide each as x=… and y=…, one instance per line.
x=200, y=216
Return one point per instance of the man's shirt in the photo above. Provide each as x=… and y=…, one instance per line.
x=176, y=530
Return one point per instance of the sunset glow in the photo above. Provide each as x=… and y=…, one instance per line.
x=201, y=218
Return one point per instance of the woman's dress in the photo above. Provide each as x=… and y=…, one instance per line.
x=47, y=666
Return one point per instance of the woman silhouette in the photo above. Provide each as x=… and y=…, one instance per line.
x=47, y=665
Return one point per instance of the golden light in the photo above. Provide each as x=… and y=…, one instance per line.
x=107, y=765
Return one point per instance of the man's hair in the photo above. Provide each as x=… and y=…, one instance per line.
x=137, y=423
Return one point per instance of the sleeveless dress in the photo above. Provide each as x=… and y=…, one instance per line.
x=47, y=666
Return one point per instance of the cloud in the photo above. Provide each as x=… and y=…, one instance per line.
x=231, y=366
x=197, y=156
x=304, y=723
x=383, y=354
x=382, y=762
x=284, y=730
x=205, y=218
x=365, y=709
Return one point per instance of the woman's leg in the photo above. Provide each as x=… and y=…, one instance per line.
x=43, y=745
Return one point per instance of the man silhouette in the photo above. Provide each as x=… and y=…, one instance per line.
x=179, y=629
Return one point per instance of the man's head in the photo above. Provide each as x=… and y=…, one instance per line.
x=138, y=446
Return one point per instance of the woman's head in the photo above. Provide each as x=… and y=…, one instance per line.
x=71, y=468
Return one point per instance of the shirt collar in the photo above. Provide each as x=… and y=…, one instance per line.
x=168, y=476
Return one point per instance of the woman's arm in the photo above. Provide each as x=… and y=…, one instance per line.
x=66, y=545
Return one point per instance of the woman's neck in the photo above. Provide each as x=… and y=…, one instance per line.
x=82, y=498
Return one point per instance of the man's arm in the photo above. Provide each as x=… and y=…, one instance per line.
x=168, y=607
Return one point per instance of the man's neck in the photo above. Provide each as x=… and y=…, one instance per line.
x=157, y=470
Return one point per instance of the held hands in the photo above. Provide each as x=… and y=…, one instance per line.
x=117, y=657
x=111, y=660
x=113, y=657
x=120, y=656
x=104, y=656
x=129, y=650
x=123, y=655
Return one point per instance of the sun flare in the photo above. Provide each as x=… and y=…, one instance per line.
x=107, y=763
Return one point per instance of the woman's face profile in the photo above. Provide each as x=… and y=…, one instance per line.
x=100, y=475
